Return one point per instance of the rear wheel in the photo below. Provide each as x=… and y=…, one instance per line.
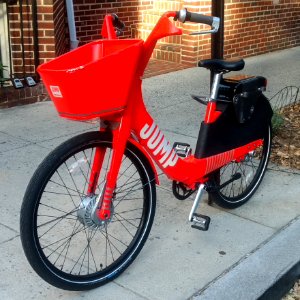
x=62, y=240
x=251, y=170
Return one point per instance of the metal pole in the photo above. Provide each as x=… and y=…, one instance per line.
x=71, y=23
x=35, y=37
x=217, y=39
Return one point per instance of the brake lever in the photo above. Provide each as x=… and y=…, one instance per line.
x=214, y=28
x=118, y=24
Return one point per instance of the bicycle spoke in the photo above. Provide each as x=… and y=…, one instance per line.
x=72, y=178
x=56, y=193
x=65, y=245
x=66, y=187
x=60, y=218
x=66, y=237
x=68, y=245
x=87, y=161
x=110, y=235
x=121, y=222
x=131, y=210
x=60, y=210
x=55, y=217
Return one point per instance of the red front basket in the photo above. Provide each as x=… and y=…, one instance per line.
x=93, y=80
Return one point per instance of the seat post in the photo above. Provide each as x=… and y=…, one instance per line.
x=217, y=76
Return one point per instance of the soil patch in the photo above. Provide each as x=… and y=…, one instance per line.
x=294, y=293
x=286, y=140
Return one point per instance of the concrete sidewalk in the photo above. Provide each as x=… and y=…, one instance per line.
x=242, y=254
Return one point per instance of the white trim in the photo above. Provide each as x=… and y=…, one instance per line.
x=4, y=44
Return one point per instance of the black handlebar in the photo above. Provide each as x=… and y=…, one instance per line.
x=198, y=18
x=183, y=15
x=117, y=23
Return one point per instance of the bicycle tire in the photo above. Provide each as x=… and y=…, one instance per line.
x=252, y=171
x=46, y=216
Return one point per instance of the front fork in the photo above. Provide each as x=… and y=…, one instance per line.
x=103, y=203
x=120, y=137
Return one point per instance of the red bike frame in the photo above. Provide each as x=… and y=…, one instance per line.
x=138, y=127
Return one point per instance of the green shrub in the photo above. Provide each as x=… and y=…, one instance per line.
x=277, y=121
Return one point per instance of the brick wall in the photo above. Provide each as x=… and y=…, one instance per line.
x=251, y=27
x=139, y=18
x=255, y=27
x=185, y=49
x=51, y=42
x=16, y=39
x=89, y=15
x=51, y=33
x=60, y=24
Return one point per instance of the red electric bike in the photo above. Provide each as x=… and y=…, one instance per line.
x=89, y=207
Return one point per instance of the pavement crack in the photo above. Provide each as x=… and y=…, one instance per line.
x=248, y=219
x=134, y=292
x=179, y=133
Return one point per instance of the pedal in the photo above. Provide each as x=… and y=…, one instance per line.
x=201, y=222
x=182, y=149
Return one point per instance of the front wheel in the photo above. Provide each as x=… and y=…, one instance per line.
x=251, y=169
x=60, y=237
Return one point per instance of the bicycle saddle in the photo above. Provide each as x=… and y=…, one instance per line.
x=219, y=65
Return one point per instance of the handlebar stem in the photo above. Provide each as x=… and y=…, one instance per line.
x=108, y=30
x=163, y=28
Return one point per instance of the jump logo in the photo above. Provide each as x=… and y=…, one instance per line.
x=158, y=144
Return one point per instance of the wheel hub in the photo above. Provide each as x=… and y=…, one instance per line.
x=249, y=156
x=87, y=213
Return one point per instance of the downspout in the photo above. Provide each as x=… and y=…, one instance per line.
x=35, y=37
x=9, y=41
x=71, y=23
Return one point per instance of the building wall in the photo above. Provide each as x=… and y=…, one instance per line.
x=89, y=15
x=51, y=42
x=51, y=33
x=139, y=18
x=251, y=27
x=255, y=27
x=60, y=27
x=185, y=49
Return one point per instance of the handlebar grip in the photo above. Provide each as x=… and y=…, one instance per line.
x=117, y=23
x=199, y=18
